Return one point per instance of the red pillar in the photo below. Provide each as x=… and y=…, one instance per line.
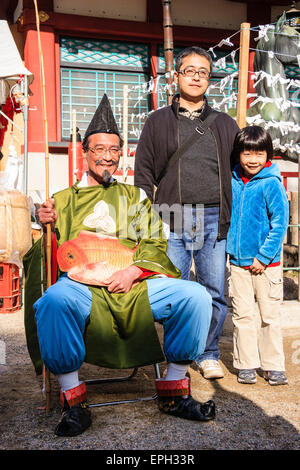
x=153, y=73
x=36, y=139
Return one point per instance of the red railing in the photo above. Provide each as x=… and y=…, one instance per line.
x=288, y=174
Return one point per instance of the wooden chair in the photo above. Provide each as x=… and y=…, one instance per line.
x=47, y=388
x=121, y=379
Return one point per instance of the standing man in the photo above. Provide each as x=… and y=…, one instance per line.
x=185, y=152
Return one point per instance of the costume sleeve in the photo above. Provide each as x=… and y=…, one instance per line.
x=152, y=242
x=278, y=213
x=63, y=205
x=144, y=161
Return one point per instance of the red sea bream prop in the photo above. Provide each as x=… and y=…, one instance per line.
x=91, y=258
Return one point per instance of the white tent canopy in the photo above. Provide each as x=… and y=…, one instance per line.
x=10, y=60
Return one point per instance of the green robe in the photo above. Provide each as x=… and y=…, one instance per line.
x=121, y=331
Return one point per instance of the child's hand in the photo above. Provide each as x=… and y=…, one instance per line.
x=257, y=267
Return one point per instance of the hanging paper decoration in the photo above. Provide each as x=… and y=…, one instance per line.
x=280, y=115
x=263, y=32
x=271, y=106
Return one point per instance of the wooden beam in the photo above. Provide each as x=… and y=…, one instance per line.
x=106, y=28
x=243, y=75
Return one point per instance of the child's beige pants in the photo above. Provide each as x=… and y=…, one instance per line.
x=257, y=337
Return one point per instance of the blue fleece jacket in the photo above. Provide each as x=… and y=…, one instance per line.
x=259, y=218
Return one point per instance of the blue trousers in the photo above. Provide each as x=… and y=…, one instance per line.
x=198, y=241
x=183, y=307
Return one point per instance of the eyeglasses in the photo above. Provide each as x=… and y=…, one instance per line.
x=191, y=72
x=102, y=151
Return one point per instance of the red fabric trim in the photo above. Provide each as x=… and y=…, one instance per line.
x=74, y=396
x=9, y=108
x=146, y=273
x=271, y=265
x=172, y=388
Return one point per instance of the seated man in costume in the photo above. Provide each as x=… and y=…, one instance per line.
x=148, y=290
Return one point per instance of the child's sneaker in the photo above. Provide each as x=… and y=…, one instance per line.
x=247, y=376
x=275, y=377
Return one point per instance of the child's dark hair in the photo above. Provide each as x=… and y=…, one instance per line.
x=253, y=138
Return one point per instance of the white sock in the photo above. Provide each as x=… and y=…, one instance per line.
x=176, y=371
x=69, y=380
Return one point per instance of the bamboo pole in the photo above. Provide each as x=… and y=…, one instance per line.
x=243, y=75
x=74, y=145
x=298, y=231
x=25, y=113
x=168, y=48
x=125, y=131
x=46, y=373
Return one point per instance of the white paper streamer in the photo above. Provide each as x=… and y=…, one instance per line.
x=263, y=32
x=225, y=42
x=221, y=63
x=271, y=79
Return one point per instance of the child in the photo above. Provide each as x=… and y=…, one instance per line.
x=259, y=221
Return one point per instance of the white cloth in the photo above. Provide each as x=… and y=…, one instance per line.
x=176, y=371
x=68, y=381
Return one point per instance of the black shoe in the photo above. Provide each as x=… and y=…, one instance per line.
x=74, y=421
x=187, y=408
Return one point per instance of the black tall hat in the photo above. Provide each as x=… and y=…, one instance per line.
x=103, y=120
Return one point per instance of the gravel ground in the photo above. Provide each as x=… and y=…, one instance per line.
x=249, y=417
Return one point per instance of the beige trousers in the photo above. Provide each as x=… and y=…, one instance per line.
x=257, y=337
